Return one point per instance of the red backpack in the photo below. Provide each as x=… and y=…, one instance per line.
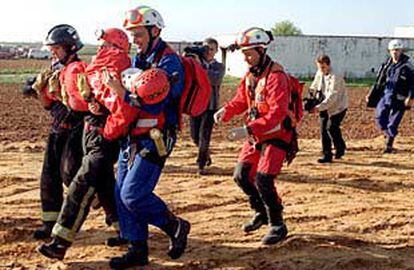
x=295, y=105
x=197, y=89
x=196, y=94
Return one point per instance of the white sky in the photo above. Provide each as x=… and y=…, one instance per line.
x=194, y=20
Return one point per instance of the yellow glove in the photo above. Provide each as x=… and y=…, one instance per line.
x=83, y=87
x=64, y=95
x=54, y=84
x=42, y=80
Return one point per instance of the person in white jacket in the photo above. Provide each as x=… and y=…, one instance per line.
x=332, y=109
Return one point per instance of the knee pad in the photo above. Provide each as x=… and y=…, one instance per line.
x=241, y=175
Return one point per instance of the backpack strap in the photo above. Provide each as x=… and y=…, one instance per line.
x=159, y=54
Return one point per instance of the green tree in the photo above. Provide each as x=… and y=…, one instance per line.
x=286, y=28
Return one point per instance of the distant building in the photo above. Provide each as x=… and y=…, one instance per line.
x=352, y=56
x=404, y=31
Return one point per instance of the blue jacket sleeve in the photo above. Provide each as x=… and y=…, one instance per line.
x=171, y=64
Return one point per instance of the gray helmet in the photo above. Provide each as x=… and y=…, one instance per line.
x=66, y=35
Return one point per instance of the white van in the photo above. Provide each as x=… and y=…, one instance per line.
x=39, y=54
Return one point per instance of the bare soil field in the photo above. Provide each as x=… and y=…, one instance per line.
x=356, y=213
x=16, y=64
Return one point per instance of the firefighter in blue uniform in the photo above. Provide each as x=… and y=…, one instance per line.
x=140, y=162
x=398, y=93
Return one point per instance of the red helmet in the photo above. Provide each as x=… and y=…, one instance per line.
x=151, y=86
x=115, y=36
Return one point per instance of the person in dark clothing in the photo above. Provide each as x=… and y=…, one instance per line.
x=104, y=113
x=398, y=93
x=62, y=159
x=202, y=126
x=63, y=153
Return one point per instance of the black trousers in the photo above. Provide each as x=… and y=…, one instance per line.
x=62, y=160
x=96, y=175
x=331, y=132
x=201, y=129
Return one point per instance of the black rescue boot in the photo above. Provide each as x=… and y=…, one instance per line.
x=178, y=230
x=44, y=231
x=277, y=230
x=56, y=249
x=339, y=153
x=241, y=177
x=325, y=159
x=116, y=241
x=137, y=255
x=258, y=220
x=389, y=145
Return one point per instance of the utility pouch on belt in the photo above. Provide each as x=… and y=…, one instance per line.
x=157, y=137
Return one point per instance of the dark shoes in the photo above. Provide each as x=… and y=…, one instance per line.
x=255, y=223
x=325, y=159
x=137, y=255
x=44, y=232
x=276, y=234
x=202, y=171
x=56, y=249
x=209, y=161
x=116, y=241
x=178, y=238
x=389, y=142
x=339, y=154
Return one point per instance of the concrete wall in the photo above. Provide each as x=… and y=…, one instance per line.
x=353, y=57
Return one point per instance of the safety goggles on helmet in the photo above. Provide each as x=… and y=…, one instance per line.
x=133, y=17
x=143, y=16
x=252, y=38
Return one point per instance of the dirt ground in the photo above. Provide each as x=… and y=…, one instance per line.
x=356, y=213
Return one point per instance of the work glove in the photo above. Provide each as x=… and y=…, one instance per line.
x=42, y=80
x=54, y=84
x=218, y=116
x=236, y=134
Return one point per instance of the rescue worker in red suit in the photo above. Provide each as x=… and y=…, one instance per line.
x=63, y=153
x=103, y=128
x=265, y=96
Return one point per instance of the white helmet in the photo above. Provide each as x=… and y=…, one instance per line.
x=396, y=44
x=129, y=75
x=254, y=37
x=143, y=16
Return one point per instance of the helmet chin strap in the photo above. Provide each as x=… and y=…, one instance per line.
x=258, y=69
x=151, y=40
